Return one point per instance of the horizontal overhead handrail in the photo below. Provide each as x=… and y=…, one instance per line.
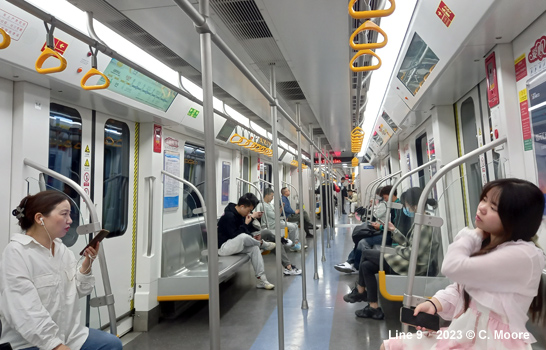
x=419, y=213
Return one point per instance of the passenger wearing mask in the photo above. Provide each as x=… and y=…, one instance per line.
x=496, y=269
x=395, y=263
x=41, y=281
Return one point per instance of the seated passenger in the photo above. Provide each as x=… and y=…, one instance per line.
x=40, y=290
x=496, y=269
x=235, y=235
x=269, y=216
x=268, y=220
x=294, y=215
x=355, y=255
x=352, y=198
x=397, y=263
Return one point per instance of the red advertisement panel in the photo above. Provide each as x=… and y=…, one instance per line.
x=521, y=67
x=491, y=76
x=157, y=138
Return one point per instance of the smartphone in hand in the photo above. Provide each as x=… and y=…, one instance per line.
x=98, y=238
x=428, y=321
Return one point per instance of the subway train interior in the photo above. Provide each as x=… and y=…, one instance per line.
x=152, y=116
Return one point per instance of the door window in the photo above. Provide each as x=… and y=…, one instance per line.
x=194, y=172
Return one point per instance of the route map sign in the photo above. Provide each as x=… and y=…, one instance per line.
x=131, y=83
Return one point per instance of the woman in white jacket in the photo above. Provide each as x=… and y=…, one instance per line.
x=41, y=282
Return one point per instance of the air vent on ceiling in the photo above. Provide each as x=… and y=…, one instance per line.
x=290, y=90
x=245, y=18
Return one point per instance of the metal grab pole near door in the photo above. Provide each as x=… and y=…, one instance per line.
x=322, y=204
x=312, y=200
x=210, y=175
x=276, y=184
x=304, y=304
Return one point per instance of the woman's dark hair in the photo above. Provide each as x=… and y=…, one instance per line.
x=42, y=202
x=387, y=190
x=520, y=205
x=248, y=199
x=411, y=198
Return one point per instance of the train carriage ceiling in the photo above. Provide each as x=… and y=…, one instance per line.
x=306, y=39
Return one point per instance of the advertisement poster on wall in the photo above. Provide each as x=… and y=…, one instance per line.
x=491, y=76
x=171, y=194
x=225, y=181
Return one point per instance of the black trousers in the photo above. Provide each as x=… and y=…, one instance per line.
x=369, y=266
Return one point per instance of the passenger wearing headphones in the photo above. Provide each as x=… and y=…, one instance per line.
x=41, y=282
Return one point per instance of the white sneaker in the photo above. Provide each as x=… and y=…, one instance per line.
x=345, y=267
x=267, y=245
x=264, y=284
x=294, y=271
x=351, y=215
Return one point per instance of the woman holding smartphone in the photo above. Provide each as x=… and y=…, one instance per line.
x=41, y=281
x=497, y=271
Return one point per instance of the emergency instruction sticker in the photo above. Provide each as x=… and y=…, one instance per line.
x=14, y=26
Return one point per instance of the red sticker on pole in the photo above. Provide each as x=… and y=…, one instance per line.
x=157, y=138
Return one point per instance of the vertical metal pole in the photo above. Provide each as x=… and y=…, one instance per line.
x=304, y=304
x=276, y=184
x=322, y=203
x=312, y=201
x=334, y=193
x=210, y=178
x=328, y=199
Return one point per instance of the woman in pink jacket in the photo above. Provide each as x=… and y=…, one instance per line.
x=497, y=271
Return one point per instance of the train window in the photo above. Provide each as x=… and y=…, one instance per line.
x=194, y=172
x=246, y=171
x=421, y=148
x=419, y=62
x=65, y=137
x=115, y=198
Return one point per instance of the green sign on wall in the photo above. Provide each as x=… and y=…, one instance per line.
x=193, y=112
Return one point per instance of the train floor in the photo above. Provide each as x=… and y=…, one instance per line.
x=248, y=316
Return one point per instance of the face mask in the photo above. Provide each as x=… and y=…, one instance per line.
x=407, y=212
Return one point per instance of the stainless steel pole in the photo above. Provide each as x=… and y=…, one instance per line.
x=322, y=204
x=210, y=175
x=312, y=202
x=276, y=185
x=328, y=197
x=334, y=193
x=304, y=304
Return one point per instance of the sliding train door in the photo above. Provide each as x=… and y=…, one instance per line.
x=97, y=151
x=473, y=131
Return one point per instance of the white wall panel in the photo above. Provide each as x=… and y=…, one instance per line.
x=6, y=120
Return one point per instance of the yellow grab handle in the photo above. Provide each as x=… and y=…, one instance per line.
x=6, y=41
x=370, y=14
x=244, y=142
x=368, y=25
x=238, y=140
x=92, y=72
x=285, y=232
x=44, y=56
x=365, y=68
x=383, y=286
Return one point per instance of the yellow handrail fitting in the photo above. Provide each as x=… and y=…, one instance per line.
x=238, y=141
x=368, y=25
x=245, y=143
x=47, y=53
x=383, y=288
x=183, y=297
x=6, y=41
x=365, y=68
x=370, y=14
x=92, y=72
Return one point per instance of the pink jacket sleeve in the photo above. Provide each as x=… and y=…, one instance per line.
x=502, y=270
x=449, y=298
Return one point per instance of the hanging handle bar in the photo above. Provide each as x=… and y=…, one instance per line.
x=370, y=14
x=368, y=25
x=49, y=51
x=6, y=39
x=93, y=72
x=364, y=68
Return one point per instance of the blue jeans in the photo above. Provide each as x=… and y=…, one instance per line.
x=97, y=340
x=365, y=243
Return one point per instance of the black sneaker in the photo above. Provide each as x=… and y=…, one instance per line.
x=355, y=296
x=370, y=312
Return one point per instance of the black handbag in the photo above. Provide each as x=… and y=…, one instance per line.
x=364, y=231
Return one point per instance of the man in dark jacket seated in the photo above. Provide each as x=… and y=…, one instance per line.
x=236, y=234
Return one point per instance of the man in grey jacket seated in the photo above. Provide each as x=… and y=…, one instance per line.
x=268, y=222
